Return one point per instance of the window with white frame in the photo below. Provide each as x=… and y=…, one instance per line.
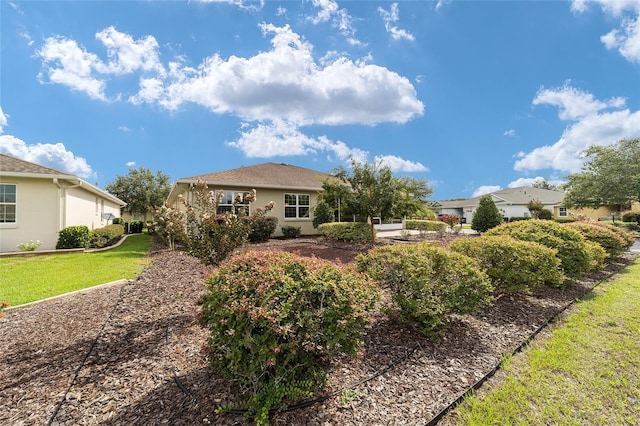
x=226, y=204
x=8, y=192
x=562, y=211
x=296, y=206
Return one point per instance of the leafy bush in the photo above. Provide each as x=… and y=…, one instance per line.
x=109, y=235
x=545, y=214
x=425, y=225
x=570, y=244
x=628, y=226
x=623, y=232
x=275, y=319
x=262, y=227
x=597, y=255
x=517, y=218
x=73, y=237
x=611, y=241
x=291, y=231
x=322, y=214
x=512, y=265
x=428, y=283
x=563, y=220
x=486, y=215
x=117, y=221
x=357, y=232
x=631, y=217
x=135, y=226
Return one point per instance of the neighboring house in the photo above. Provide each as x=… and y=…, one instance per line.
x=512, y=202
x=293, y=189
x=36, y=202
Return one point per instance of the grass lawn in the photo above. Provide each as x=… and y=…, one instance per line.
x=26, y=279
x=586, y=373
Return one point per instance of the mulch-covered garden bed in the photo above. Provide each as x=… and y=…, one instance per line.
x=133, y=354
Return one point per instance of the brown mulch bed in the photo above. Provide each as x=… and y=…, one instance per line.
x=132, y=354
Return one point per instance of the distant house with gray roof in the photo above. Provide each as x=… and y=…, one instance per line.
x=293, y=189
x=36, y=202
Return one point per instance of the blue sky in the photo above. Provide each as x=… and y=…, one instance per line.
x=472, y=96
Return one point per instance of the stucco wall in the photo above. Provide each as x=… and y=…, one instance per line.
x=85, y=208
x=37, y=202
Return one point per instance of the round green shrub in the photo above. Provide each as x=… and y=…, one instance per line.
x=428, y=283
x=356, y=232
x=545, y=214
x=322, y=213
x=106, y=236
x=289, y=231
x=513, y=266
x=597, y=255
x=425, y=225
x=73, y=237
x=610, y=240
x=570, y=244
x=631, y=217
x=276, y=318
x=486, y=216
x=622, y=231
x=262, y=227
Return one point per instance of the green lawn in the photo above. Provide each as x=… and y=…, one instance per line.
x=26, y=279
x=586, y=373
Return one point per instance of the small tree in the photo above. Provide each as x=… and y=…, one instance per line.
x=322, y=214
x=535, y=207
x=486, y=215
x=141, y=189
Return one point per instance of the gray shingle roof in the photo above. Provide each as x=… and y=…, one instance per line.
x=15, y=165
x=266, y=175
x=518, y=196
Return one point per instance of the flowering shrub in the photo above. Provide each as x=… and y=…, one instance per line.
x=356, y=232
x=30, y=246
x=275, y=319
x=513, y=265
x=3, y=306
x=611, y=241
x=73, y=237
x=428, y=283
x=169, y=224
x=103, y=237
x=570, y=244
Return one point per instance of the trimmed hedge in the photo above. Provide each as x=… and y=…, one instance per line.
x=428, y=283
x=289, y=231
x=73, y=237
x=275, y=319
x=631, y=217
x=610, y=240
x=513, y=266
x=572, y=250
x=262, y=227
x=425, y=225
x=356, y=232
x=109, y=235
x=597, y=255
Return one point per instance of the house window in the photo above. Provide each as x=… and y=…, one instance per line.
x=296, y=206
x=7, y=203
x=226, y=203
x=562, y=212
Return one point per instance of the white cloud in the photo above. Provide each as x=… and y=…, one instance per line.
x=590, y=125
x=627, y=38
x=486, y=189
x=285, y=139
x=3, y=120
x=329, y=11
x=286, y=83
x=440, y=4
x=25, y=35
x=390, y=17
x=70, y=65
x=510, y=133
x=124, y=129
x=530, y=181
x=398, y=164
x=131, y=163
x=251, y=5
x=574, y=103
x=55, y=156
x=127, y=55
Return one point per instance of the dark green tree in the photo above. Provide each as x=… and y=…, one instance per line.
x=545, y=184
x=322, y=213
x=610, y=177
x=141, y=189
x=486, y=216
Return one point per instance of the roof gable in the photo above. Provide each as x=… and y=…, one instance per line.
x=16, y=165
x=266, y=175
x=511, y=196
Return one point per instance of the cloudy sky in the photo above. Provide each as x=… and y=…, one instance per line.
x=471, y=96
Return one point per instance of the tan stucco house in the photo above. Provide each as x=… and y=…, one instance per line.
x=36, y=202
x=512, y=202
x=293, y=189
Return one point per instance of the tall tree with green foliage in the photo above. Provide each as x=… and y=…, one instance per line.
x=545, y=184
x=370, y=190
x=486, y=216
x=141, y=189
x=610, y=177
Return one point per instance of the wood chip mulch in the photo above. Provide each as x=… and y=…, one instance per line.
x=132, y=354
